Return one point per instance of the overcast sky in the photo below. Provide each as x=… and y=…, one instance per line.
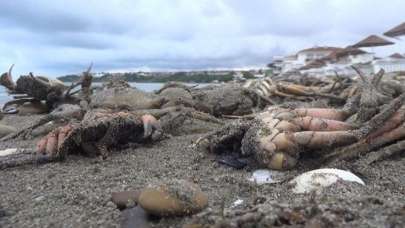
x=54, y=38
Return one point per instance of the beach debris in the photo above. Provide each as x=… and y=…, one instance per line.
x=30, y=108
x=237, y=203
x=134, y=217
x=8, y=151
x=318, y=179
x=372, y=117
x=98, y=132
x=173, y=198
x=272, y=91
x=58, y=117
x=6, y=130
x=265, y=176
x=125, y=199
x=38, y=89
x=232, y=161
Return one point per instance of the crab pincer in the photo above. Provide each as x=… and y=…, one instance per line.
x=151, y=126
x=50, y=144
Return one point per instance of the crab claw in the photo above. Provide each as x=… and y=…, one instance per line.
x=150, y=125
x=50, y=144
x=7, y=81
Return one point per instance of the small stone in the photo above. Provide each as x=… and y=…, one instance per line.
x=39, y=198
x=176, y=197
x=134, y=217
x=125, y=199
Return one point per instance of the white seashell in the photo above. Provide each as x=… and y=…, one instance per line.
x=318, y=179
x=265, y=176
x=237, y=203
x=8, y=152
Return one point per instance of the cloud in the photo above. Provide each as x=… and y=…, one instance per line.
x=60, y=37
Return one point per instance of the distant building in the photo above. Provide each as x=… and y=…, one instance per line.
x=315, y=53
x=321, y=61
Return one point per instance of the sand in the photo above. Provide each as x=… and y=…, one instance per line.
x=77, y=192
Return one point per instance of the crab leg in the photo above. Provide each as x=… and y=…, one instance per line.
x=7, y=81
x=150, y=123
x=317, y=124
x=291, y=142
x=315, y=139
x=365, y=146
x=18, y=101
x=386, y=152
x=52, y=142
x=326, y=113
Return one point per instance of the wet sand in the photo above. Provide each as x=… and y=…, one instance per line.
x=76, y=192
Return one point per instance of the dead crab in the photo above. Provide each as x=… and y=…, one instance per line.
x=98, y=132
x=277, y=137
x=38, y=89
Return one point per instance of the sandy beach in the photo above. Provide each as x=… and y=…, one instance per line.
x=77, y=192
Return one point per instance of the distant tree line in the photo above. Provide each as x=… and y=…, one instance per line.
x=202, y=77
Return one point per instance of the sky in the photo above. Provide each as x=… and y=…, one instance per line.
x=55, y=38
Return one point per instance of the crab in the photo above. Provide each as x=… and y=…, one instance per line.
x=278, y=137
x=280, y=91
x=227, y=99
x=117, y=96
x=98, y=132
x=39, y=89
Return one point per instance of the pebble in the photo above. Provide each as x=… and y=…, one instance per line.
x=316, y=180
x=173, y=198
x=134, y=217
x=39, y=198
x=125, y=199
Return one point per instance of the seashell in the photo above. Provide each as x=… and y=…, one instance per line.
x=318, y=179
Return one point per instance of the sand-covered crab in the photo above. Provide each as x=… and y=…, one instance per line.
x=98, y=132
x=277, y=137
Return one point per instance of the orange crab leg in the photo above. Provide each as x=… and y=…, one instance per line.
x=326, y=113
x=52, y=142
x=64, y=131
x=41, y=145
x=316, y=139
x=295, y=89
x=149, y=124
x=281, y=125
x=317, y=124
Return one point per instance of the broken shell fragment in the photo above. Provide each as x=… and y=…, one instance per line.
x=8, y=151
x=265, y=176
x=174, y=198
x=318, y=179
